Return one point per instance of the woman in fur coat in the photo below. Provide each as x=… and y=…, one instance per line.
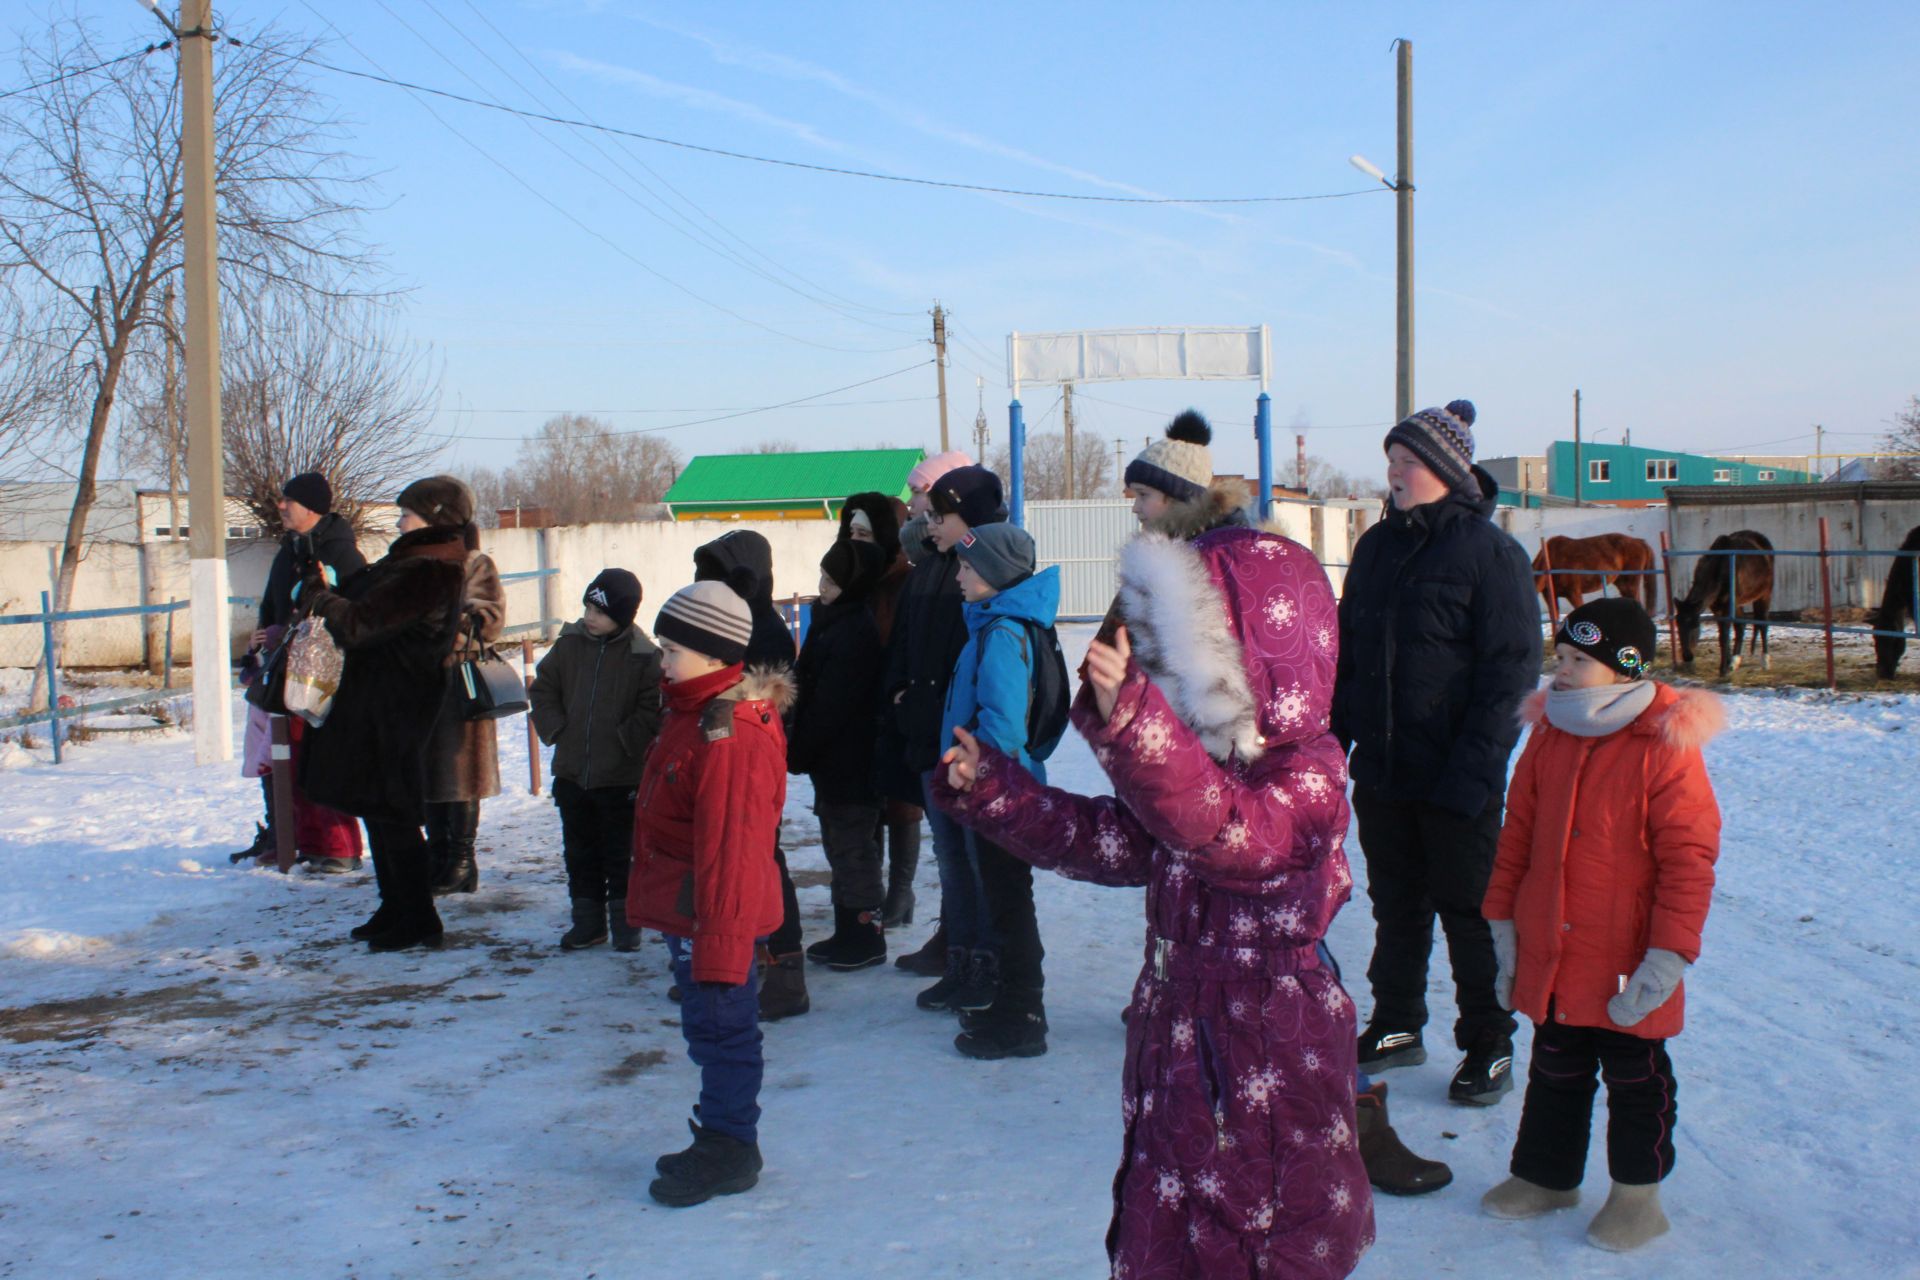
x=1209, y=713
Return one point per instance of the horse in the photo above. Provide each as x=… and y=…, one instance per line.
x=1752, y=583
x=1617, y=558
x=1897, y=608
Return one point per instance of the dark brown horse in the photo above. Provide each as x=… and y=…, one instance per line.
x=1751, y=580
x=1896, y=608
x=1588, y=565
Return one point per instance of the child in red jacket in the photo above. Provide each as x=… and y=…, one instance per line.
x=708, y=810
x=1599, y=892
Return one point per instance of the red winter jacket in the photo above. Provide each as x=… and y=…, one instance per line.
x=1608, y=852
x=707, y=819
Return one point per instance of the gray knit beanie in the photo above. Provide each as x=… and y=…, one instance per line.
x=1002, y=554
x=708, y=618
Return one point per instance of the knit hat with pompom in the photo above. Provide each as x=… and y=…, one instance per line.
x=1181, y=466
x=1441, y=438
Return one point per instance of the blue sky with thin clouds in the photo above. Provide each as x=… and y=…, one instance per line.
x=1700, y=214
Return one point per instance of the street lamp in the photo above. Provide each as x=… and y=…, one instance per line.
x=1402, y=187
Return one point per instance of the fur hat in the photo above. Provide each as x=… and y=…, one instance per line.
x=854, y=567
x=311, y=490
x=972, y=493
x=882, y=515
x=439, y=500
x=921, y=478
x=708, y=618
x=1001, y=553
x=1617, y=632
x=1441, y=438
x=1181, y=466
x=616, y=593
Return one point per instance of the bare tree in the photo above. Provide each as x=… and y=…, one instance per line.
x=771, y=446
x=1045, y=467
x=1903, y=438
x=328, y=388
x=583, y=470
x=492, y=490
x=1324, y=480
x=91, y=220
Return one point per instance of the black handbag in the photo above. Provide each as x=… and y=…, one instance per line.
x=490, y=688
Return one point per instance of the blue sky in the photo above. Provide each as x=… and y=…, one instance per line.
x=1700, y=214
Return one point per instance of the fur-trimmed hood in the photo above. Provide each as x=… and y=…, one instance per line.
x=1226, y=504
x=765, y=684
x=1238, y=629
x=1686, y=718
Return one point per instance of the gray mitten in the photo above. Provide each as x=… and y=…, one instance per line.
x=1651, y=986
x=1506, y=954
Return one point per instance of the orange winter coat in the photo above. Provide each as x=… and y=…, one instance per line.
x=1607, y=852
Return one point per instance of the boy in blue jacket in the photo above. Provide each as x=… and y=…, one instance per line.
x=1001, y=1011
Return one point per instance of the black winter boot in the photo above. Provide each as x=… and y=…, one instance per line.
x=939, y=996
x=1384, y=1048
x=858, y=942
x=1486, y=1073
x=625, y=936
x=930, y=961
x=589, y=925
x=981, y=985
x=783, y=991
x=1015, y=1026
x=903, y=860
x=819, y=951
x=457, y=872
x=715, y=1165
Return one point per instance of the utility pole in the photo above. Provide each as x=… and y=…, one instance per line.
x=1403, y=200
x=940, y=359
x=170, y=411
x=1819, y=450
x=1120, y=464
x=1579, y=476
x=1066, y=426
x=1300, y=460
x=206, y=480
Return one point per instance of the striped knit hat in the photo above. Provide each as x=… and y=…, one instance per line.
x=709, y=619
x=1441, y=438
x=1181, y=466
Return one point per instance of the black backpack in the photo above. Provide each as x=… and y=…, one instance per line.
x=1050, y=693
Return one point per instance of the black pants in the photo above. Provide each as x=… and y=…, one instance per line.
x=1551, y=1150
x=452, y=827
x=785, y=940
x=1007, y=885
x=596, y=833
x=403, y=873
x=850, y=834
x=1423, y=859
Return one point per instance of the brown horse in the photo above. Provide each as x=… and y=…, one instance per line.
x=1751, y=578
x=1897, y=607
x=1588, y=565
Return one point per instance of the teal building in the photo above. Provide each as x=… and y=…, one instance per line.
x=1634, y=475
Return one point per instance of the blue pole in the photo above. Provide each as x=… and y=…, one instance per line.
x=1263, y=433
x=53, y=672
x=1017, y=464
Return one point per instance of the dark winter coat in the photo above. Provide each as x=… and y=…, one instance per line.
x=596, y=702
x=707, y=819
x=744, y=561
x=836, y=717
x=1439, y=642
x=395, y=624
x=1608, y=851
x=886, y=515
x=463, y=761
x=331, y=543
x=929, y=632
x=1239, y=1155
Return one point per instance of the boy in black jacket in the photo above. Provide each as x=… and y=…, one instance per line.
x=831, y=740
x=596, y=701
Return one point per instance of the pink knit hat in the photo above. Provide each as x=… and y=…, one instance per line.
x=921, y=478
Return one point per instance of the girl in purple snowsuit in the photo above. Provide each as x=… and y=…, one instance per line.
x=1209, y=713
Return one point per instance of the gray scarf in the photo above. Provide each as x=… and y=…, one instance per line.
x=1599, y=711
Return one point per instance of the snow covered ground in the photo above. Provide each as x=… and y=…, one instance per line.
x=200, y=1075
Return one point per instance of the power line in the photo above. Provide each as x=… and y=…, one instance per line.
x=817, y=168
x=698, y=422
x=87, y=71
x=711, y=408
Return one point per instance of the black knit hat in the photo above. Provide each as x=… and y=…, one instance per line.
x=311, y=490
x=616, y=593
x=972, y=493
x=854, y=567
x=1441, y=438
x=1616, y=632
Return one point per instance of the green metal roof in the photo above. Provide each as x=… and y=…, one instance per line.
x=725, y=479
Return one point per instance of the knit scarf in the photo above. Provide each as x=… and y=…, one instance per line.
x=1600, y=710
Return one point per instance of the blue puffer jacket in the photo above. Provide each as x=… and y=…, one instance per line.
x=993, y=679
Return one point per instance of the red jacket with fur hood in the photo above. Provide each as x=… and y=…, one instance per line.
x=1608, y=851
x=707, y=818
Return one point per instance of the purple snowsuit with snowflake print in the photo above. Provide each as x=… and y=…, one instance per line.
x=1240, y=1156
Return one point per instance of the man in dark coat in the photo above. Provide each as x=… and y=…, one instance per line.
x=743, y=560
x=314, y=535
x=1439, y=642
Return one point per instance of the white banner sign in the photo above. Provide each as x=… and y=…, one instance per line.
x=1118, y=355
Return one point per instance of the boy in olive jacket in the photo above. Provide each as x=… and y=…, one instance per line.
x=596, y=702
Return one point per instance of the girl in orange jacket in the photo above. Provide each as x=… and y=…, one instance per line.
x=1599, y=893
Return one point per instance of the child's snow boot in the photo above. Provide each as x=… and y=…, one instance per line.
x=1384, y=1048
x=625, y=936
x=1014, y=1027
x=1486, y=1073
x=1391, y=1167
x=980, y=986
x=1630, y=1217
x=1517, y=1199
x=930, y=960
x=715, y=1165
x=820, y=951
x=589, y=926
x=939, y=996
x=261, y=847
x=783, y=989
x=858, y=941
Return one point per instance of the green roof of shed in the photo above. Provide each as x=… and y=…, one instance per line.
x=724, y=478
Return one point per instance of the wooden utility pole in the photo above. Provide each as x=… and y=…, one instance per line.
x=170, y=411
x=940, y=359
x=1300, y=460
x=1579, y=476
x=1403, y=200
x=1819, y=450
x=206, y=479
x=1066, y=426
x=1120, y=464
